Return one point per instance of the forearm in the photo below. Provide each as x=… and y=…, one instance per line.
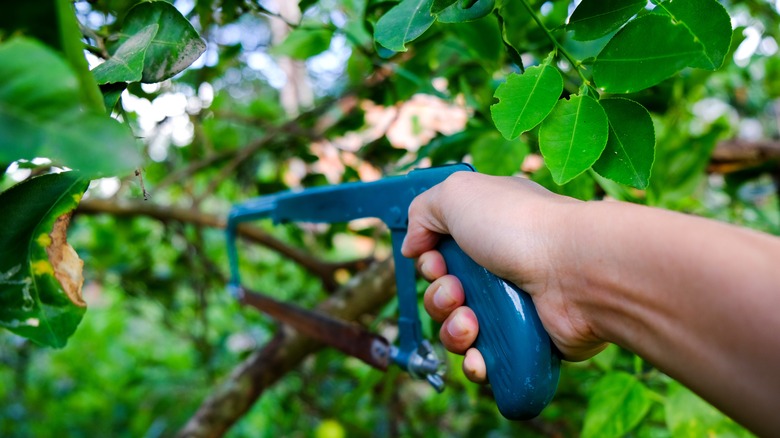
x=697, y=298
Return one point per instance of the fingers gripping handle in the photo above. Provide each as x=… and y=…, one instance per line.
x=522, y=364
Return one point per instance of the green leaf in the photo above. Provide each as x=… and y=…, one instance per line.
x=111, y=95
x=511, y=50
x=482, y=41
x=40, y=274
x=304, y=42
x=459, y=13
x=606, y=359
x=709, y=23
x=306, y=4
x=495, y=155
x=518, y=26
x=629, y=63
x=73, y=51
x=581, y=187
x=175, y=46
x=525, y=100
x=127, y=63
x=595, y=18
x=39, y=22
x=687, y=415
x=630, y=151
x=573, y=137
x=355, y=10
x=40, y=115
x=618, y=402
x=440, y=5
x=403, y=23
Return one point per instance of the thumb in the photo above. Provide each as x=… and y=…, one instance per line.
x=426, y=224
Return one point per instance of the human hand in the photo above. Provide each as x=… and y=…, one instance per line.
x=515, y=229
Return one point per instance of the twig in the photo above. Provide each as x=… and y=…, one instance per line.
x=290, y=127
x=194, y=168
x=322, y=269
x=141, y=181
x=558, y=46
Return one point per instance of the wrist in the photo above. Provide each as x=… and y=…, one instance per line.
x=573, y=266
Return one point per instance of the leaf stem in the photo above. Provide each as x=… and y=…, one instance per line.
x=70, y=37
x=558, y=46
x=638, y=364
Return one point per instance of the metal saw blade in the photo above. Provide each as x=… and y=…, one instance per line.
x=349, y=338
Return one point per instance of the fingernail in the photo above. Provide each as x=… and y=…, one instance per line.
x=457, y=329
x=424, y=269
x=442, y=299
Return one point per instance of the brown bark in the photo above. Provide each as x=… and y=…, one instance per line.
x=322, y=269
x=735, y=155
x=232, y=398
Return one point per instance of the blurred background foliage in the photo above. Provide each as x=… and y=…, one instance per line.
x=294, y=95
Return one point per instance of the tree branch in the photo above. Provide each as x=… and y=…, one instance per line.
x=368, y=291
x=735, y=155
x=324, y=270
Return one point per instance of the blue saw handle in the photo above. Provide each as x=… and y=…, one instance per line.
x=522, y=364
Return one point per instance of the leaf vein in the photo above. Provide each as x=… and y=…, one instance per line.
x=603, y=14
x=650, y=58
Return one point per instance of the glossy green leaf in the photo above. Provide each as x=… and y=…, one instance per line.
x=482, y=41
x=573, y=137
x=525, y=100
x=688, y=416
x=618, y=402
x=306, y=4
x=592, y=19
x=511, y=50
x=39, y=21
x=581, y=187
x=73, y=51
x=459, y=13
x=111, y=94
x=355, y=11
x=709, y=23
x=643, y=53
x=127, y=63
x=630, y=151
x=47, y=121
x=518, y=25
x=440, y=5
x=304, y=42
x=40, y=274
x=495, y=155
x=403, y=23
x=175, y=46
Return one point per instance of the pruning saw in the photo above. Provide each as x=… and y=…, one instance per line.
x=523, y=366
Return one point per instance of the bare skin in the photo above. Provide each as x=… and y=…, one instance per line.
x=697, y=298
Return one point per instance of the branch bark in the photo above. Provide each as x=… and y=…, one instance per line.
x=735, y=155
x=324, y=270
x=368, y=291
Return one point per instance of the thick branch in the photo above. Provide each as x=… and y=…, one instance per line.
x=735, y=155
x=235, y=396
x=323, y=270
